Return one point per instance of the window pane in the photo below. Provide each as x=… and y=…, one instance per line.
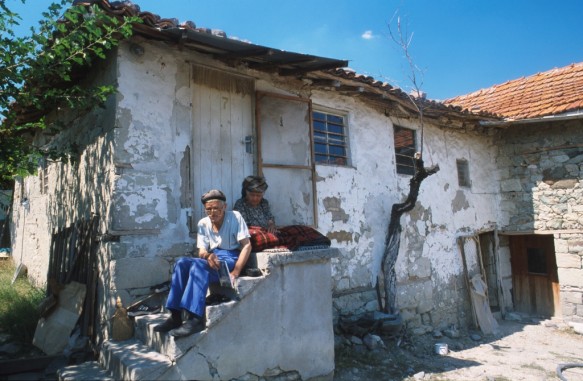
x=335, y=119
x=337, y=150
x=321, y=159
x=320, y=148
x=319, y=125
x=319, y=116
x=335, y=129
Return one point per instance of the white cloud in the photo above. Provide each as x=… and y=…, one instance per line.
x=367, y=35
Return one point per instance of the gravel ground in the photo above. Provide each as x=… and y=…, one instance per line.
x=529, y=349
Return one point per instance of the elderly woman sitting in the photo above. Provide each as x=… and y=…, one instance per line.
x=252, y=206
x=257, y=214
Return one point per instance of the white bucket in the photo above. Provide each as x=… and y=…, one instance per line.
x=441, y=349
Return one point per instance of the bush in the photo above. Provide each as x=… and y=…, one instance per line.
x=18, y=304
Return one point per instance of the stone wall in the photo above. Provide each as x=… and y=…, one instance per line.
x=541, y=168
x=569, y=253
x=541, y=188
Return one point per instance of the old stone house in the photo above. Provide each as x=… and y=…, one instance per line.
x=539, y=162
x=197, y=110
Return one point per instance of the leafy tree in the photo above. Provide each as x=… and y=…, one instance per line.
x=40, y=72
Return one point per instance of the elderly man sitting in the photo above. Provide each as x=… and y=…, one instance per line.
x=222, y=236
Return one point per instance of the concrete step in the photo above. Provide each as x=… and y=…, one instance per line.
x=88, y=371
x=279, y=313
x=174, y=349
x=150, y=354
x=132, y=360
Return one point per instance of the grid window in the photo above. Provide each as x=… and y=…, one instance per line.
x=330, y=138
x=405, y=148
x=463, y=173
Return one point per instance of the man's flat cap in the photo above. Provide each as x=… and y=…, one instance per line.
x=213, y=194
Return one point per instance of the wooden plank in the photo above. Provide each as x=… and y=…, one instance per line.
x=461, y=244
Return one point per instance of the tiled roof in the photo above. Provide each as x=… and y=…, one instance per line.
x=215, y=42
x=431, y=108
x=554, y=92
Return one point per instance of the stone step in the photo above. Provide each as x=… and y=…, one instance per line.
x=174, y=349
x=132, y=360
x=150, y=354
x=87, y=371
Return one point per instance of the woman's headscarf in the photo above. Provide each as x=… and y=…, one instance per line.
x=253, y=184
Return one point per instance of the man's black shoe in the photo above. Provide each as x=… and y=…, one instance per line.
x=168, y=325
x=188, y=328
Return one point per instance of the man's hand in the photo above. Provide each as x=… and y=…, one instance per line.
x=243, y=256
x=213, y=261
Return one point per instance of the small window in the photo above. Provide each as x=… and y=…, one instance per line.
x=405, y=148
x=330, y=138
x=463, y=173
x=43, y=174
x=537, y=263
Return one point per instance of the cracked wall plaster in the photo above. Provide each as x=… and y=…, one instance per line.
x=333, y=205
x=460, y=202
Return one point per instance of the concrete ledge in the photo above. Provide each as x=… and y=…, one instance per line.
x=288, y=316
x=266, y=260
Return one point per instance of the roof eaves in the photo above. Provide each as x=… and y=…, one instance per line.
x=216, y=42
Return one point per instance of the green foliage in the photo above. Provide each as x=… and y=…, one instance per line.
x=19, y=303
x=40, y=73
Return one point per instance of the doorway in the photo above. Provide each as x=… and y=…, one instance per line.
x=535, y=281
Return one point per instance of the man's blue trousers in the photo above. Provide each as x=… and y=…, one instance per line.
x=191, y=279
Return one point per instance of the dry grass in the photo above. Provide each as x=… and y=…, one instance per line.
x=18, y=304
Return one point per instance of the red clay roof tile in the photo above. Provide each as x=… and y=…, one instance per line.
x=556, y=91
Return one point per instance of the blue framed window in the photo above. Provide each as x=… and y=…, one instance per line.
x=330, y=138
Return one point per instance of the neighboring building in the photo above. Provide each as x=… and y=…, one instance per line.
x=540, y=165
x=196, y=110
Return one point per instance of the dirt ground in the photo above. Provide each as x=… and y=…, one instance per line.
x=528, y=349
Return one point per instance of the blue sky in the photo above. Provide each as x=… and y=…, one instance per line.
x=460, y=45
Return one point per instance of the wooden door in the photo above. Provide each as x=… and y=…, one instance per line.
x=285, y=157
x=534, y=275
x=222, y=115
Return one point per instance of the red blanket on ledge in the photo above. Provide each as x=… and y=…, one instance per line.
x=289, y=237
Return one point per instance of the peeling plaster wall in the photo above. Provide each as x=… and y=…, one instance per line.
x=430, y=270
x=354, y=208
x=138, y=190
x=70, y=191
x=153, y=120
x=128, y=173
